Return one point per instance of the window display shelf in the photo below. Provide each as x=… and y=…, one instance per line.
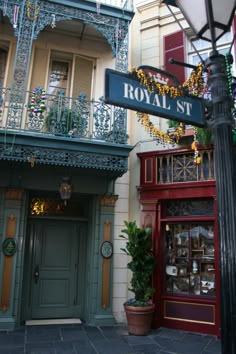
x=190, y=262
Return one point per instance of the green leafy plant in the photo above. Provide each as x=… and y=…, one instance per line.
x=65, y=122
x=58, y=121
x=173, y=124
x=204, y=136
x=142, y=263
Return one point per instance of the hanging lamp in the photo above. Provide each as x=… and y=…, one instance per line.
x=65, y=189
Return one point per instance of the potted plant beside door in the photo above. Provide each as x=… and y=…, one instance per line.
x=139, y=310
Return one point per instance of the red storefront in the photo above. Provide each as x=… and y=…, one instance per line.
x=178, y=200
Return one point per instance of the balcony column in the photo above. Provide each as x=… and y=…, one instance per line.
x=11, y=255
x=25, y=17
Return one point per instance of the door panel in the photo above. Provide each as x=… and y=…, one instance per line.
x=55, y=254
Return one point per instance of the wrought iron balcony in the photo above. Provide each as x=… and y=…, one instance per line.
x=181, y=167
x=67, y=117
x=176, y=166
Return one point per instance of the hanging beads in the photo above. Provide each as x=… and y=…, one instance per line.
x=229, y=74
x=197, y=158
x=15, y=16
x=53, y=23
x=37, y=100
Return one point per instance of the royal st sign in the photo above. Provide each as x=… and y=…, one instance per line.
x=124, y=90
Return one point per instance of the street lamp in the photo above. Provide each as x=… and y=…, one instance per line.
x=210, y=20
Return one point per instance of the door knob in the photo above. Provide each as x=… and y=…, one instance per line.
x=36, y=274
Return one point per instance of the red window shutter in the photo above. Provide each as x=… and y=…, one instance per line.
x=174, y=48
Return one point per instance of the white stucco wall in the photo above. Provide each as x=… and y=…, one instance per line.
x=151, y=21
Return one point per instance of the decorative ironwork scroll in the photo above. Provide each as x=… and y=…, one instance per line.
x=114, y=165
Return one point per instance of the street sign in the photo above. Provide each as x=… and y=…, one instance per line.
x=124, y=90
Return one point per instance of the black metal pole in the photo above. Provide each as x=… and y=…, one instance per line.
x=226, y=196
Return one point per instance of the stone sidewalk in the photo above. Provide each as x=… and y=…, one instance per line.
x=84, y=339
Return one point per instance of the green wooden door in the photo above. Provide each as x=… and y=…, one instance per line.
x=54, y=269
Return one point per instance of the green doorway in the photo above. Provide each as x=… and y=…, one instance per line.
x=55, y=267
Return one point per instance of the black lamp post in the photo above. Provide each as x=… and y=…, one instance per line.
x=209, y=20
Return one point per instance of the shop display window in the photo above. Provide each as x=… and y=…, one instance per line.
x=190, y=259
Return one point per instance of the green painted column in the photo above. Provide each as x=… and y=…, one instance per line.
x=10, y=258
x=104, y=315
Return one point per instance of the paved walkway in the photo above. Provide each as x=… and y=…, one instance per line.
x=83, y=339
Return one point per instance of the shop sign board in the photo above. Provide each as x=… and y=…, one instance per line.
x=124, y=90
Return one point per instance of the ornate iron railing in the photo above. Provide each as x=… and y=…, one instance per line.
x=123, y=4
x=181, y=167
x=72, y=117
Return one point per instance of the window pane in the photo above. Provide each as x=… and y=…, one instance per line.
x=200, y=44
x=190, y=259
x=190, y=207
x=58, y=77
x=196, y=59
x=223, y=51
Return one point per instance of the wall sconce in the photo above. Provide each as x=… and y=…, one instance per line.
x=65, y=189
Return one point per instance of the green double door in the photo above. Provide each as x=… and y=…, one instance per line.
x=58, y=251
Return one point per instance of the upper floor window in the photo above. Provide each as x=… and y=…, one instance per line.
x=70, y=73
x=3, y=61
x=204, y=48
x=58, y=77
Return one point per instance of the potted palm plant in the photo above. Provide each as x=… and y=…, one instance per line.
x=139, y=310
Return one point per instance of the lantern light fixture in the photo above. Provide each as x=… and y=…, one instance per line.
x=65, y=189
x=209, y=19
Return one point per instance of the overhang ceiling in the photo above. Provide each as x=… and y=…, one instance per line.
x=77, y=29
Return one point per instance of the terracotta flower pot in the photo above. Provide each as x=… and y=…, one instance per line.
x=139, y=319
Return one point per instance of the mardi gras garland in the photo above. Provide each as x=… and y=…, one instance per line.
x=194, y=86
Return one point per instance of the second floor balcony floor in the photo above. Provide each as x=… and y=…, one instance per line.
x=173, y=167
x=61, y=130
x=57, y=115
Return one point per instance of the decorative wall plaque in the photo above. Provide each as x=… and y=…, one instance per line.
x=9, y=246
x=106, y=249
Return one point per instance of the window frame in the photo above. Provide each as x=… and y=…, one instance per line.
x=223, y=43
x=69, y=74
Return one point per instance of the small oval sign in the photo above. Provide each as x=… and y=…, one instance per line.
x=9, y=246
x=106, y=249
